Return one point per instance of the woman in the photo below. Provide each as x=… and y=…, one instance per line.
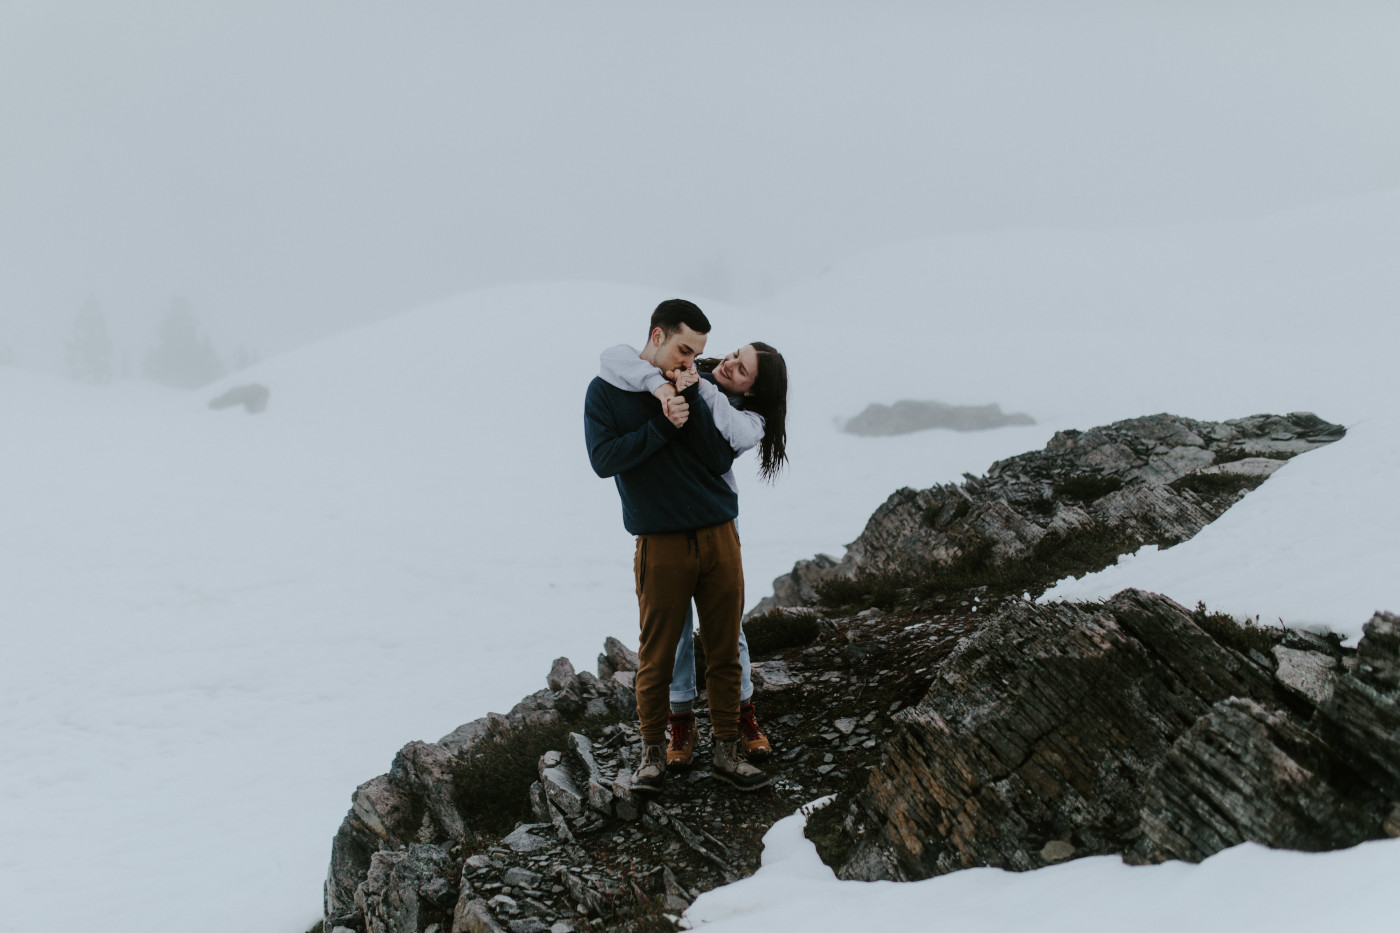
x=746, y=393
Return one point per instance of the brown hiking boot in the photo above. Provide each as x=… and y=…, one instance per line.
x=730, y=765
x=651, y=773
x=682, y=748
x=756, y=744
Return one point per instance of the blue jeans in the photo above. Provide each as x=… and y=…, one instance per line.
x=683, y=674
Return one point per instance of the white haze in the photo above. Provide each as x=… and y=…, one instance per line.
x=294, y=169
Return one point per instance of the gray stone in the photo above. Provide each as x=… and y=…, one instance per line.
x=773, y=676
x=466, y=736
x=627, y=680
x=253, y=397
x=619, y=656
x=845, y=726
x=676, y=897
x=389, y=899
x=625, y=806
x=1057, y=850
x=521, y=877
x=1249, y=466
x=523, y=839
x=351, y=850
x=503, y=903
x=385, y=809
x=580, y=749
x=560, y=790
x=425, y=770
x=539, y=806
x=474, y=916
x=600, y=797
x=562, y=676
x=1309, y=674
x=528, y=925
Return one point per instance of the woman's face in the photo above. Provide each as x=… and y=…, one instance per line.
x=737, y=371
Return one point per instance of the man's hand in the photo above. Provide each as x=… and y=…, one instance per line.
x=677, y=410
x=664, y=391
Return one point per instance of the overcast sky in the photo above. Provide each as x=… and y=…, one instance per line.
x=295, y=168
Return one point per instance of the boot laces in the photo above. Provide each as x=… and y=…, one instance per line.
x=748, y=725
x=681, y=727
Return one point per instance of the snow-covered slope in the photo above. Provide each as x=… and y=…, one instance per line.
x=216, y=624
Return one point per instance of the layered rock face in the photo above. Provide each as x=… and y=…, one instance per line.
x=1135, y=727
x=1070, y=508
x=391, y=868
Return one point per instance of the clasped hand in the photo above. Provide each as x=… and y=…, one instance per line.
x=673, y=405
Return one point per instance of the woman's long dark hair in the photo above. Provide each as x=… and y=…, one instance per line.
x=769, y=399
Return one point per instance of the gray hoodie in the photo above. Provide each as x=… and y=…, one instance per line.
x=622, y=368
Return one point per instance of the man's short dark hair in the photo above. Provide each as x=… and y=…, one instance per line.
x=673, y=312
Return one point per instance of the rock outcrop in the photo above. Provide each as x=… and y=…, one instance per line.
x=1071, y=508
x=906, y=416
x=253, y=397
x=403, y=825
x=1134, y=727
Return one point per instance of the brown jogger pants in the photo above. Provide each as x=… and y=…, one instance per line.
x=670, y=570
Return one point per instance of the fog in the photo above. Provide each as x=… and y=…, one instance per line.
x=292, y=170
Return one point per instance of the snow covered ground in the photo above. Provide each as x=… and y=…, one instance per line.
x=216, y=625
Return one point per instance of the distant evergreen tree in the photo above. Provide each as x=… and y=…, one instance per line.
x=244, y=358
x=90, y=349
x=182, y=358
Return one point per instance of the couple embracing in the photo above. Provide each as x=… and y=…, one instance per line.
x=668, y=432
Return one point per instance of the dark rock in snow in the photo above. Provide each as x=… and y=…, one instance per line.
x=906, y=416
x=253, y=397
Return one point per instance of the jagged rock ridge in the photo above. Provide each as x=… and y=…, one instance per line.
x=1134, y=727
x=1073, y=507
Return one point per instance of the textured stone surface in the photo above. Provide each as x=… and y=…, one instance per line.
x=1309, y=674
x=1039, y=727
x=1364, y=711
x=424, y=770
x=1128, y=728
x=474, y=917
x=1244, y=772
x=1041, y=512
x=391, y=899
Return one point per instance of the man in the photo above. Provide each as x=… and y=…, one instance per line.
x=668, y=460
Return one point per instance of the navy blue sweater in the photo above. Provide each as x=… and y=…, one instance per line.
x=669, y=479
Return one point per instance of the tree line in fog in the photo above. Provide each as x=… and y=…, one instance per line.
x=182, y=357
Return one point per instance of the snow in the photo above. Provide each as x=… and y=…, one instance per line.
x=1314, y=547
x=217, y=625
x=1240, y=890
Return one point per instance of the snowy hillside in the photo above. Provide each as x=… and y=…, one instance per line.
x=218, y=624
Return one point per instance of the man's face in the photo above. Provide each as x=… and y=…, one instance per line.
x=679, y=350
